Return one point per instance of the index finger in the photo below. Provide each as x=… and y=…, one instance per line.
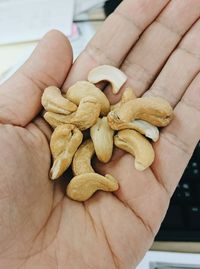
x=116, y=37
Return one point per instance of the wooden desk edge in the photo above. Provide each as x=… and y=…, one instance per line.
x=185, y=247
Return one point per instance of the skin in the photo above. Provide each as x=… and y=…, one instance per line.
x=39, y=226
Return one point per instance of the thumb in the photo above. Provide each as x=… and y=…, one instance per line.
x=49, y=65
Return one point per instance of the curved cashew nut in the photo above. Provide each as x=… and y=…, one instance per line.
x=138, y=146
x=83, y=89
x=108, y=73
x=127, y=95
x=53, y=101
x=82, y=159
x=154, y=110
x=65, y=141
x=55, y=119
x=86, y=115
x=82, y=187
x=102, y=137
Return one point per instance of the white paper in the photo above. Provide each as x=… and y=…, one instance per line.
x=86, y=32
x=84, y=5
x=172, y=258
x=29, y=20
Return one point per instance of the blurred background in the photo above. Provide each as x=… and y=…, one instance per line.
x=22, y=25
x=24, y=22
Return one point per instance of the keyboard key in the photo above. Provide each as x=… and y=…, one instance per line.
x=194, y=165
x=174, y=218
x=193, y=213
x=197, y=192
x=192, y=172
x=182, y=194
x=186, y=186
x=195, y=173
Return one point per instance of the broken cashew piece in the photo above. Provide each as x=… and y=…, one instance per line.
x=65, y=141
x=82, y=159
x=53, y=101
x=82, y=187
x=108, y=73
x=146, y=129
x=102, y=137
x=137, y=145
x=154, y=110
x=85, y=116
x=127, y=95
x=83, y=89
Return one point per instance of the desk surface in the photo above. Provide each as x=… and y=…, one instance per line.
x=186, y=247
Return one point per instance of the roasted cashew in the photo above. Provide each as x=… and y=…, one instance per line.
x=86, y=115
x=154, y=110
x=132, y=117
x=53, y=101
x=108, y=73
x=137, y=145
x=55, y=119
x=102, y=137
x=83, y=89
x=141, y=126
x=127, y=95
x=82, y=159
x=65, y=141
x=82, y=187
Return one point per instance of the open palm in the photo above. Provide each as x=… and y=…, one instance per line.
x=39, y=226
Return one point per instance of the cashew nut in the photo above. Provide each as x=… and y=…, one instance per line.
x=82, y=187
x=127, y=95
x=80, y=110
x=86, y=115
x=102, y=137
x=82, y=159
x=55, y=119
x=53, y=101
x=138, y=146
x=108, y=73
x=65, y=141
x=145, y=128
x=154, y=110
x=83, y=89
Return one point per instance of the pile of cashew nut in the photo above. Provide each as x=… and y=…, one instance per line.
x=129, y=125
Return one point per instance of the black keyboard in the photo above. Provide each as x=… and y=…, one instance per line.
x=182, y=222
x=110, y=6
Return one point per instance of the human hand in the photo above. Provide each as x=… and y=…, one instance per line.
x=39, y=226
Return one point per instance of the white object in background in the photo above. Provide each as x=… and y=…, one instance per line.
x=78, y=41
x=29, y=20
x=86, y=32
x=84, y=5
x=172, y=259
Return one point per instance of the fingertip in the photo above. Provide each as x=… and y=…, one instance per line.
x=54, y=54
x=48, y=65
x=59, y=38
